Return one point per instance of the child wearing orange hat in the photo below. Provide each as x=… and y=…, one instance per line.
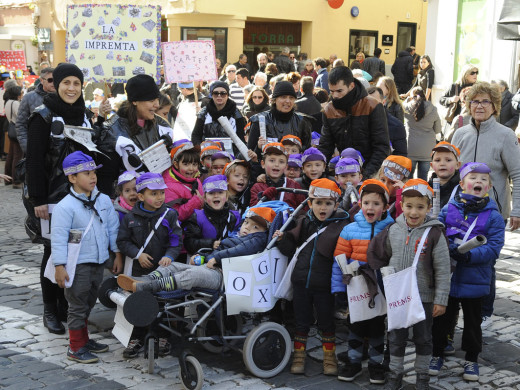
x=445, y=164
x=394, y=173
x=310, y=243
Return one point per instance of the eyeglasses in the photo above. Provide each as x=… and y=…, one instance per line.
x=474, y=72
x=49, y=80
x=483, y=103
x=219, y=93
x=257, y=97
x=231, y=71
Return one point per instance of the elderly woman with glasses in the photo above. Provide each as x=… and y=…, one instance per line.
x=468, y=77
x=487, y=141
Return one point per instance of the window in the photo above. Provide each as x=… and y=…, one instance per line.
x=362, y=41
x=218, y=35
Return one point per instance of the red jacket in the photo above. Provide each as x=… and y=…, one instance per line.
x=293, y=200
x=181, y=193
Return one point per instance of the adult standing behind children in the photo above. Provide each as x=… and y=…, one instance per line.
x=354, y=120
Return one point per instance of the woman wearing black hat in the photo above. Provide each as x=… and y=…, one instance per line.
x=281, y=119
x=136, y=126
x=46, y=182
x=207, y=124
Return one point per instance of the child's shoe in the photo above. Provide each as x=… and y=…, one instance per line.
x=298, y=363
x=393, y=381
x=436, y=364
x=450, y=349
x=95, y=347
x=330, y=364
x=83, y=355
x=350, y=372
x=471, y=372
x=341, y=314
x=376, y=372
x=134, y=347
x=422, y=382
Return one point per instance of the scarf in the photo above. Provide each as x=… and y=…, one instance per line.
x=123, y=204
x=256, y=108
x=72, y=114
x=228, y=110
x=422, y=72
x=271, y=183
x=346, y=102
x=282, y=116
x=89, y=203
x=473, y=203
x=193, y=183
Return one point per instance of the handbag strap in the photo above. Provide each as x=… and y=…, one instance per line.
x=420, y=246
x=147, y=241
x=88, y=227
x=311, y=237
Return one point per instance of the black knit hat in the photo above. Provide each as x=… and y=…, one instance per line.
x=218, y=84
x=283, y=88
x=141, y=88
x=64, y=70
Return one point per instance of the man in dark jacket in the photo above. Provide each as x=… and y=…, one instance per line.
x=354, y=120
x=374, y=64
x=30, y=102
x=308, y=104
x=508, y=113
x=283, y=62
x=402, y=69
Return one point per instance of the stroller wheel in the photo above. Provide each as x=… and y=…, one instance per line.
x=151, y=355
x=192, y=378
x=233, y=325
x=267, y=350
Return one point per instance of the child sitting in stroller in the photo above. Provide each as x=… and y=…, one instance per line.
x=177, y=276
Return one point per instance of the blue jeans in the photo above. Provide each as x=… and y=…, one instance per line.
x=488, y=300
x=422, y=169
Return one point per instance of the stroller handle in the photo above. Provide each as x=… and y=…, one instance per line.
x=293, y=190
x=284, y=226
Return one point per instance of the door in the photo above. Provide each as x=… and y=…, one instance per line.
x=406, y=33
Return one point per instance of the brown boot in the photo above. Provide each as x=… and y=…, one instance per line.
x=298, y=363
x=330, y=364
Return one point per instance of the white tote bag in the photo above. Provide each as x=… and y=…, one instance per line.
x=358, y=299
x=404, y=305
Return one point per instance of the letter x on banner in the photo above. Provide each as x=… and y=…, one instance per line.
x=251, y=281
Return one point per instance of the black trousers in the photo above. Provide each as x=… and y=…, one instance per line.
x=472, y=333
x=305, y=301
x=51, y=293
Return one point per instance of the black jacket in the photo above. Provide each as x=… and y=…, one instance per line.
x=314, y=263
x=402, y=69
x=364, y=129
x=508, y=115
x=135, y=228
x=284, y=64
x=397, y=134
x=308, y=104
x=453, y=90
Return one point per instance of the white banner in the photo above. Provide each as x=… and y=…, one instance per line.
x=251, y=281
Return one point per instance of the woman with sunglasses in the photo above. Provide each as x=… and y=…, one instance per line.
x=207, y=124
x=257, y=101
x=468, y=76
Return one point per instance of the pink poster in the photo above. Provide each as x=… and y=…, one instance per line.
x=186, y=61
x=13, y=59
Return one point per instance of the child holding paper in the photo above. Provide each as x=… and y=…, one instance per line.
x=353, y=242
x=309, y=245
x=87, y=213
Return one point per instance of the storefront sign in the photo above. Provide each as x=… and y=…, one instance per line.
x=44, y=35
x=272, y=33
x=189, y=61
x=12, y=59
x=112, y=43
x=387, y=40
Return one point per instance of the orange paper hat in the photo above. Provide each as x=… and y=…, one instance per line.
x=446, y=147
x=291, y=139
x=274, y=147
x=374, y=185
x=397, y=167
x=417, y=187
x=324, y=188
x=265, y=213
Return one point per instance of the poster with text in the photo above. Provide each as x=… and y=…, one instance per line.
x=113, y=43
x=189, y=61
x=13, y=59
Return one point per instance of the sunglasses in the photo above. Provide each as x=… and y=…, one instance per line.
x=474, y=72
x=231, y=71
x=49, y=80
x=257, y=97
x=219, y=93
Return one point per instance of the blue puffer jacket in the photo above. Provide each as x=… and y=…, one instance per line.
x=71, y=214
x=240, y=246
x=353, y=241
x=471, y=279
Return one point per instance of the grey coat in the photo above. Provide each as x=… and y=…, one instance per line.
x=29, y=102
x=497, y=146
x=421, y=134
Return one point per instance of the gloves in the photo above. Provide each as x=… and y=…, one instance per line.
x=457, y=256
x=270, y=193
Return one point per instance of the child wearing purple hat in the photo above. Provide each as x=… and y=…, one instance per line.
x=207, y=227
x=471, y=212
x=84, y=225
x=294, y=166
x=219, y=161
x=126, y=193
x=314, y=164
x=150, y=214
x=348, y=172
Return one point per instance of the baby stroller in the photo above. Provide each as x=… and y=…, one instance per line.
x=213, y=318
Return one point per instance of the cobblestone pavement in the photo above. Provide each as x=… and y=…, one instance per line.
x=32, y=358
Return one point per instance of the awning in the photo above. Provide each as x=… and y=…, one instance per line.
x=508, y=26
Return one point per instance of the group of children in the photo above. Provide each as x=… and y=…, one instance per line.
x=167, y=221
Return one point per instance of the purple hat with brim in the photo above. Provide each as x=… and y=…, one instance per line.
x=152, y=181
x=313, y=154
x=475, y=167
x=127, y=176
x=315, y=138
x=215, y=183
x=333, y=161
x=295, y=161
x=77, y=162
x=222, y=154
x=353, y=153
x=347, y=165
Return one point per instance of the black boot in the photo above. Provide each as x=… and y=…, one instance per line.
x=50, y=319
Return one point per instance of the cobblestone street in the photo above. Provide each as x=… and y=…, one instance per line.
x=32, y=358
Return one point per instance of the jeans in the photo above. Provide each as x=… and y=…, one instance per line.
x=423, y=168
x=189, y=276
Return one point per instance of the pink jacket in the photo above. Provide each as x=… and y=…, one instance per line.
x=180, y=193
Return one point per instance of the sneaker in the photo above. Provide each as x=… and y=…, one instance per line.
x=341, y=314
x=470, y=371
x=95, y=347
x=486, y=322
x=436, y=364
x=450, y=349
x=350, y=372
x=343, y=357
x=134, y=347
x=164, y=347
x=393, y=382
x=83, y=355
x=376, y=372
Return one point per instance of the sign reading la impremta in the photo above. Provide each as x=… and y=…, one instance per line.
x=114, y=42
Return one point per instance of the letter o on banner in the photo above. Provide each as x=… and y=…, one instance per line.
x=335, y=3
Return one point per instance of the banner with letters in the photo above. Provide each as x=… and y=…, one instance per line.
x=13, y=59
x=251, y=281
x=186, y=61
x=113, y=43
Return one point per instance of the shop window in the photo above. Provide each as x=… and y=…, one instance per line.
x=218, y=35
x=362, y=41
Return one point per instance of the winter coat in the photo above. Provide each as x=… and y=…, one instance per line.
x=240, y=246
x=395, y=246
x=314, y=263
x=240, y=202
x=293, y=200
x=29, y=103
x=421, y=134
x=322, y=81
x=180, y=193
x=396, y=110
x=397, y=135
x=497, y=146
x=447, y=188
x=121, y=211
x=135, y=228
x=308, y=104
x=508, y=115
x=454, y=90
x=372, y=65
x=402, y=69
x=425, y=80
x=275, y=129
x=353, y=242
x=312, y=74
x=364, y=128
x=206, y=226
x=70, y=214
x=472, y=278
x=248, y=110
x=284, y=64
